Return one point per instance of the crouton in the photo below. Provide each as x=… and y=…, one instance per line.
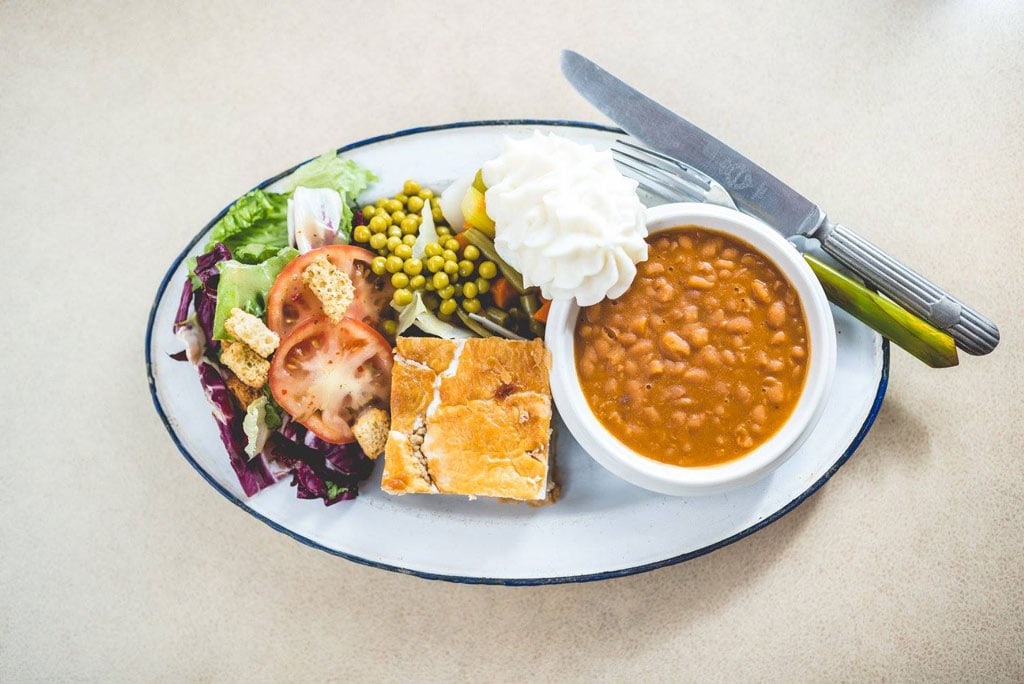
x=245, y=327
x=371, y=431
x=243, y=394
x=250, y=367
x=331, y=285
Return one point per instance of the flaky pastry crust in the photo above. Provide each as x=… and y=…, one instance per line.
x=469, y=417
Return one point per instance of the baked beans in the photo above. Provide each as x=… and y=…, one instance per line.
x=703, y=359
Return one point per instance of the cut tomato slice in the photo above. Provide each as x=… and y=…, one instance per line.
x=290, y=302
x=325, y=374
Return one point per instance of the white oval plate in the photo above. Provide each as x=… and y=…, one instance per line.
x=601, y=527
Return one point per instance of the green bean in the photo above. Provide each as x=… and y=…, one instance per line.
x=484, y=244
x=471, y=324
x=496, y=315
x=530, y=304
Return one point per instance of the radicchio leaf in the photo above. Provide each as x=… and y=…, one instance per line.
x=331, y=472
x=254, y=474
x=205, y=298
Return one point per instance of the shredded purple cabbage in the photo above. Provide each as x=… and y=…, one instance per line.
x=254, y=474
x=181, y=318
x=331, y=472
x=205, y=298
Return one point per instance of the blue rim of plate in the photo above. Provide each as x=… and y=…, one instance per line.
x=532, y=581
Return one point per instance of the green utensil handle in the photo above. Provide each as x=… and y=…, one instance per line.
x=915, y=335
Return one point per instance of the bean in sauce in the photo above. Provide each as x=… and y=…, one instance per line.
x=703, y=358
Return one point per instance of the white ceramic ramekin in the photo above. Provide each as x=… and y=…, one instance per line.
x=688, y=481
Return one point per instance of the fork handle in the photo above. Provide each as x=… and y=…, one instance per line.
x=974, y=333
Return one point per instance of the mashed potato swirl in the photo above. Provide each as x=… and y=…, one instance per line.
x=565, y=218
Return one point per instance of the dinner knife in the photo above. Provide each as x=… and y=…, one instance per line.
x=761, y=194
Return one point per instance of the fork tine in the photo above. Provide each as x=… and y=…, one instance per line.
x=658, y=159
x=664, y=186
x=662, y=176
x=674, y=181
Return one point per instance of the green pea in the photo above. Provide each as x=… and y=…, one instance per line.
x=393, y=264
x=446, y=292
x=410, y=188
x=409, y=240
x=487, y=270
x=402, y=297
x=377, y=225
x=377, y=265
x=403, y=250
x=393, y=205
x=395, y=231
x=439, y=280
x=399, y=279
x=435, y=263
x=437, y=214
x=450, y=255
x=471, y=305
x=385, y=216
x=415, y=204
x=390, y=327
x=469, y=290
x=452, y=244
x=451, y=268
x=433, y=249
x=471, y=252
x=447, y=307
x=442, y=231
x=417, y=282
x=381, y=202
x=409, y=225
x=378, y=240
x=393, y=242
x=482, y=285
x=398, y=217
x=465, y=268
x=413, y=266
x=402, y=197
x=425, y=193
x=368, y=211
x=361, y=234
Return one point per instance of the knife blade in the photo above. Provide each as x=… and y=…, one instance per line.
x=759, y=193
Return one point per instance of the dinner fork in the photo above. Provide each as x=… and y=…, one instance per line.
x=661, y=176
x=670, y=179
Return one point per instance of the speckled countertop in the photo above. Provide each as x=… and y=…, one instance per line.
x=124, y=127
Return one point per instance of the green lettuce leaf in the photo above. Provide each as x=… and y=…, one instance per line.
x=255, y=227
x=331, y=171
x=261, y=418
x=246, y=286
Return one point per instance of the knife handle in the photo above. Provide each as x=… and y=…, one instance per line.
x=973, y=333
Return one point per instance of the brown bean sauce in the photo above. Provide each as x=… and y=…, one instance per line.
x=703, y=358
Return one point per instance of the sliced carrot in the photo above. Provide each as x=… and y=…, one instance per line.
x=461, y=238
x=542, y=312
x=503, y=293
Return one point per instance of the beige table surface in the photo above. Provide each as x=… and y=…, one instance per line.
x=125, y=126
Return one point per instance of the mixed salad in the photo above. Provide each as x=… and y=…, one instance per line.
x=290, y=407
x=291, y=311
x=262, y=236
